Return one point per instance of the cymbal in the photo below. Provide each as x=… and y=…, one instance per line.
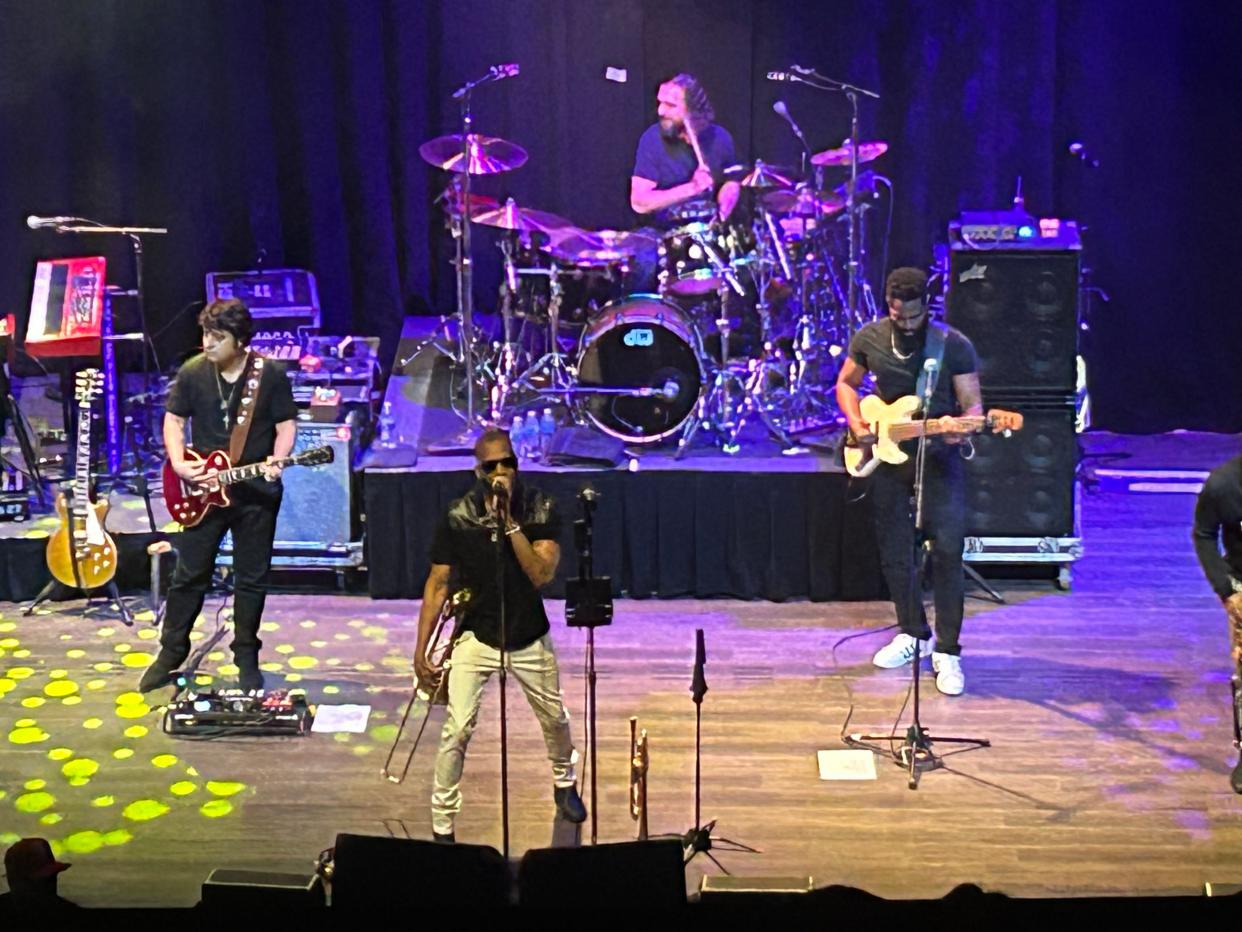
x=763, y=176
x=867, y=152
x=450, y=200
x=488, y=154
x=586, y=247
x=509, y=216
x=803, y=203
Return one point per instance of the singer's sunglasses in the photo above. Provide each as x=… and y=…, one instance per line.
x=490, y=466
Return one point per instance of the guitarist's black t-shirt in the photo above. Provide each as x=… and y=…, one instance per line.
x=1218, y=522
x=197, y=393
x=872, y=348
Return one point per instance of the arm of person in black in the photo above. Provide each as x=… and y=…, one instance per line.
x=1206, y=535
x=537, y=547
x=962, y=363
x=849, y=380
x=177, y=413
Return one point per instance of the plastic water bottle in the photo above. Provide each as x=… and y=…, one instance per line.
x=547, y=427
x=517, y=436
x=386, y=427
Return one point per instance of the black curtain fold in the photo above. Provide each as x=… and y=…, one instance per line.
x=287, y=132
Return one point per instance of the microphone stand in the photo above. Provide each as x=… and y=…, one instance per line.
x=500, y=494
x=813, y=78
x=915, y=753
x=588, y=604
x=108, y=350
x=699, y=840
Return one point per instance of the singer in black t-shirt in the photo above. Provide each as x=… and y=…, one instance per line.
x=894, y=350
x=500, y=514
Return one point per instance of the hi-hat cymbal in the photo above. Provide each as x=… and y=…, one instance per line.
x=763, y=176
x=488, y=154
x=803, y=203
x=867, y=152
x=509, y=216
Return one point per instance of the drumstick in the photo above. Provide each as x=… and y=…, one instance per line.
x=694, y=144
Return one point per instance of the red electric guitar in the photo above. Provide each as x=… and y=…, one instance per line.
x=188, y=502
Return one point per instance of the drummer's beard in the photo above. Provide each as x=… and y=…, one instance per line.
x=670, y=129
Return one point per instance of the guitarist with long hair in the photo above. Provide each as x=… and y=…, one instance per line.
x=895, y=350
x=235, y=401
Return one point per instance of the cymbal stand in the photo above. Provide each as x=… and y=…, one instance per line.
x=506, y=365
x=559, y=372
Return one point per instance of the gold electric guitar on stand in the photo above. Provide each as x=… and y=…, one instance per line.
x=894, y=423
x=81, y=554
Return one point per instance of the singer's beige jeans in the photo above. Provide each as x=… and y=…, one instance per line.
x=472, y=665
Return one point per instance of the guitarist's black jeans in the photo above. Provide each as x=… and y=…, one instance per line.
x=944, y=524
x=252, y=519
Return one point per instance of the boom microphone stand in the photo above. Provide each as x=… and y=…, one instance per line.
x=916, y=752
x=502, y=500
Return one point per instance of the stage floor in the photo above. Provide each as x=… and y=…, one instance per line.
x=1107, y=707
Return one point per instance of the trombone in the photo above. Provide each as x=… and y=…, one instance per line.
x=427, y=695
x=639, y=761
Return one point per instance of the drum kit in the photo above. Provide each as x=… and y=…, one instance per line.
x=748, y=321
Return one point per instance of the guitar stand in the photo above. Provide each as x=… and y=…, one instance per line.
x=113, y=593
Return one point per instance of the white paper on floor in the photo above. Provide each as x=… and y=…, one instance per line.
x=846, y=765
x=352, y=718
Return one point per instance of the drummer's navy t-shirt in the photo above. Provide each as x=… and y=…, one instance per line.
x=670, y=162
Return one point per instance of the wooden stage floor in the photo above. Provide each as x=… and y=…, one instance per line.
x=1107, y=708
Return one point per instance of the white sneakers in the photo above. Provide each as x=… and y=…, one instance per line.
x=949, y=677
x=900, y=651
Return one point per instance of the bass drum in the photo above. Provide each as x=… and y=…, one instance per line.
x=646, y=357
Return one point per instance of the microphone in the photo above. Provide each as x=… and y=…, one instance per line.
x=36, y=222
x=500, y=72
x=781, y=76
x=931, y=367
x=499, y=489
x=669, y=392
x=783, y=112
x=589, y=495
x=1080, y=151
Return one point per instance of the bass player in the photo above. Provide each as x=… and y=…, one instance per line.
x=895, y=350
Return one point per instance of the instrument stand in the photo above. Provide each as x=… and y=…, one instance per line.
x=114, y=594
x=499, y=531
x=915, y=753
x=588, y=604
x=1235, y=686
x=9, y=408
x=699, y=839
x=978, y=580
x=561, y=376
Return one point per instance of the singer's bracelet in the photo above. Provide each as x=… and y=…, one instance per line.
x=512, y=529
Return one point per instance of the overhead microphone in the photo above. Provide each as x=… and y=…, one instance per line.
x=1080, y=151
x=511, y=70
x=781, y=76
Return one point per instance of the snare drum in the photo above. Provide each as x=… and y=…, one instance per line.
x=651, y=348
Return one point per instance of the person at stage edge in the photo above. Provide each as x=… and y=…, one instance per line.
x=499, y=509
x=895, y=350
x=208, y=393
x=32, y=873
x=1217, y=524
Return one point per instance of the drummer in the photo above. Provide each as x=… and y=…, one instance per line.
x=668, y=186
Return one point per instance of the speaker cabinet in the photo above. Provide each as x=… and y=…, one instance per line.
x=1020, y=310
x=1023, y=485
x=629, y=875
x=410, y=876
x=318, y=508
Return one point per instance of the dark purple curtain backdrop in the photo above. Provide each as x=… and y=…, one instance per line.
x=289, y=131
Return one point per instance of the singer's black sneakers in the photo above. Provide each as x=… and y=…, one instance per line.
x=569, y=803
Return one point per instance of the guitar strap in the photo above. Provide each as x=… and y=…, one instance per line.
x=251, y=376
x=933, y=348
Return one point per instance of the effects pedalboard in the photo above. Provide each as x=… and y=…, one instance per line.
x=239, y=711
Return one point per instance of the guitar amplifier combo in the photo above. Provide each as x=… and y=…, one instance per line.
x=319, y=524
